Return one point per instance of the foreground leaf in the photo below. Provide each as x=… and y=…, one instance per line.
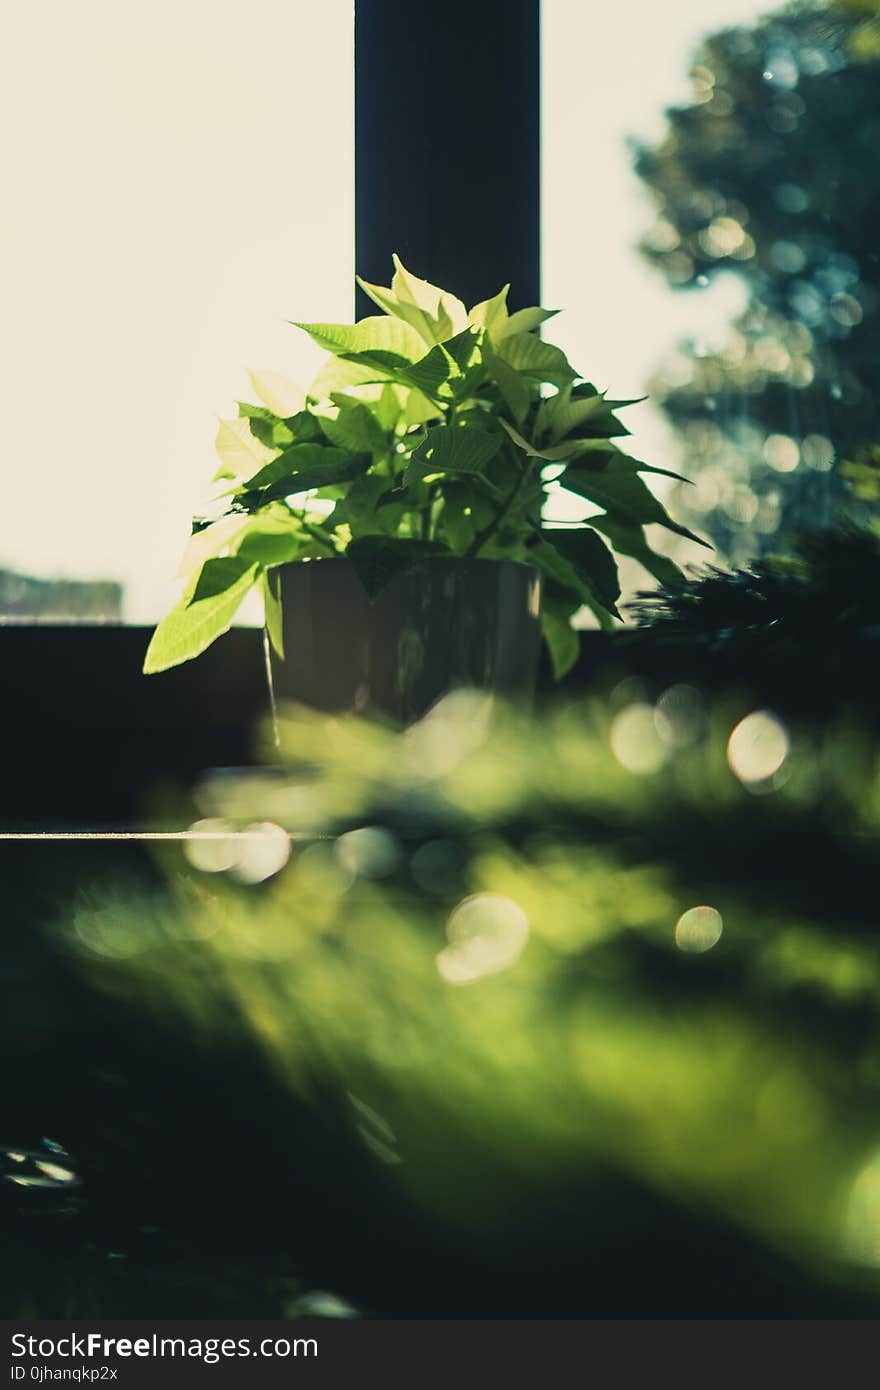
x=203, y=614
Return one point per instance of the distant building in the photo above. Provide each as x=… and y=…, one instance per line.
x=94, y=600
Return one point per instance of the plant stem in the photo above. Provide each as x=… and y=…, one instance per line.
x=318, y=535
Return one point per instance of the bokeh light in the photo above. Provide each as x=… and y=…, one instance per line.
x=211, y=845
x=862, y=1223
x=758, y=747
x=369, y=852
x=636, y=741
x=262, y=850
x=698, y=929
x=487, y=933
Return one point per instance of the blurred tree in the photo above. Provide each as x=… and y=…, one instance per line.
x=772, y=173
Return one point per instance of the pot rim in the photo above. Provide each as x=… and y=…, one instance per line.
x=459, y=560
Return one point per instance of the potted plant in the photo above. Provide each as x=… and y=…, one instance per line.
x=392, y=515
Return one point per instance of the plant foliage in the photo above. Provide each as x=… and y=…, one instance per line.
x=430, y=430
x=829, y=584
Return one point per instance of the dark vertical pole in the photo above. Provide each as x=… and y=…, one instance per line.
x=447, y=143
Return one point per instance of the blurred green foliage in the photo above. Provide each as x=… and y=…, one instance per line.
x=826, y=588
x=770, y=173
x=510, y=958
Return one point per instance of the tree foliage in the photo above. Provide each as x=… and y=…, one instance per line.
x=772, y=172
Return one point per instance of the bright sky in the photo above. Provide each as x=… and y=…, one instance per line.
x=182, y=185
x=181, y=178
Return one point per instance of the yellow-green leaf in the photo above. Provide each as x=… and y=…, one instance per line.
x=400, y=308
x=279, y=393
x=379, y=333
x=206, y=610
x=491, y=314
x=209, y=542
x=445, y=308
x=240, y=452
x=526, y=321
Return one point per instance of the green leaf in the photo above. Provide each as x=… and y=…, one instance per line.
x=418, y=409
x=427, y=375
x=600, y=454
x=363, y=509
x=386, y=299
x=527, y=320
x=541, y=361
x=623, y=494
x=431, y=372
x=341, y=374
x=556, y=454
x=377, y=334
x=630, y=540
x=453, y=449
x=588, y=555
x=304, y=427
x=411, y=290
x=269, y=428
x=573, y=579
x=561, y=416
x=387, y=407
x=465, y=512
x=270, y=584
x=491, y=314
x=445, y=308
x=378, y=559
x=275, y=545
x=279, y=393
x=303, y=467
x=563, y=642
x=515, y=390
x=207, y=542
x=464, y=348
x=241, y=453
x=204, y=612
x=355, y=428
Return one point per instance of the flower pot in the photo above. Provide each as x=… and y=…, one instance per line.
x=442, y=624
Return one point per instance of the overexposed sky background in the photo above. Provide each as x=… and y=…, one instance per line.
x=180, y=183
